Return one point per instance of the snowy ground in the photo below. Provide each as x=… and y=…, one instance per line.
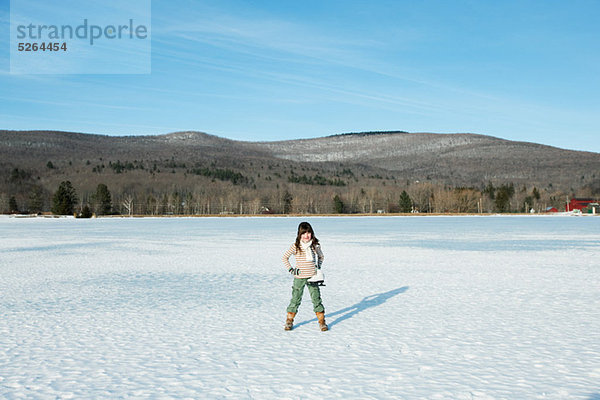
x=419, y=307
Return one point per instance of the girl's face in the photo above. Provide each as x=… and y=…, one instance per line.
x=306, y=236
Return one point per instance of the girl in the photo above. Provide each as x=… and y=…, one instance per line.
x=308, y=255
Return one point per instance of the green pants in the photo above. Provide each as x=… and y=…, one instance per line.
x=298, y=290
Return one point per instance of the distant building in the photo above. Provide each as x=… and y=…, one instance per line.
x=584, y=205
x=551, y=209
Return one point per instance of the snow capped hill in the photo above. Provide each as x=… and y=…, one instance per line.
x=374, y=147
x=461, y=159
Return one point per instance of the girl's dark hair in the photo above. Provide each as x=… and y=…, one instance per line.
x=303, y=228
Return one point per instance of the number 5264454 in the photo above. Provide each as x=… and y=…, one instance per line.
x=50, y=46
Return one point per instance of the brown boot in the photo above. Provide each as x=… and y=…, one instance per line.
x=322, y=325
x=289, y=322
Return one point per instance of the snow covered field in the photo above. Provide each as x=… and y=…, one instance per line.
x=419, y=307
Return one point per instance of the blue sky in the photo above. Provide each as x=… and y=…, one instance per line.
x=274, y=70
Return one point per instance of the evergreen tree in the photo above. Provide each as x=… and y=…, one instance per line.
x=36, y=200
x=503, y=196
x=338, y=204
x=287, y=202
x=405, y=202
x=502, y=201
x=103, y=200
x=65, y=199
x=86, y=212
x=490, y=191
x=12, y=205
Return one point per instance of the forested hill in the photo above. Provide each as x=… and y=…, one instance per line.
x=466, y=159
x=369, y=162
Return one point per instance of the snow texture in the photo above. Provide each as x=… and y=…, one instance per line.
x=418, y=307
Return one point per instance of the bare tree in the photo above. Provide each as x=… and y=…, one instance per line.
x=127, y=203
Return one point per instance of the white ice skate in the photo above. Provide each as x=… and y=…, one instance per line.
x=318, y=279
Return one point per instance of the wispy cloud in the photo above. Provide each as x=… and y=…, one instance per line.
x=263, y=35
x=271, y=39
x=295, y=45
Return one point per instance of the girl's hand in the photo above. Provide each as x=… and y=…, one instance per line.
x=294, y=271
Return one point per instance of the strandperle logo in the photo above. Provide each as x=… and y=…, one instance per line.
x=83, y=31
x=80, y=37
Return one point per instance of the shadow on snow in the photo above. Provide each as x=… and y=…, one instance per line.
x=371, y=301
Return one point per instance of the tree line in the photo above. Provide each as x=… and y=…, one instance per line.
x=415, y=198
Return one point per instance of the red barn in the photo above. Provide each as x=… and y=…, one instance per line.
x=578, y=204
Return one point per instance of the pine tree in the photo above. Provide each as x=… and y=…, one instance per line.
x=103, y=200
x=503, y=196
x=287, y=202
x=405, y=202
x=36, y=200
x=338, y=204
x=65, y=199
x=490, y=191
x=86, y=212
x=12, y=205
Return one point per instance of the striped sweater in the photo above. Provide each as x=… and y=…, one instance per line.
x=307, y=267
